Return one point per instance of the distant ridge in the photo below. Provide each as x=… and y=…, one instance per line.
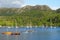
x=12, y=11
x=40, y=7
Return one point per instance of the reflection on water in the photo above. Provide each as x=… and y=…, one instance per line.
x=37, y=34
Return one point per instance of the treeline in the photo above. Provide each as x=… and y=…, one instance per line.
x=30, y=16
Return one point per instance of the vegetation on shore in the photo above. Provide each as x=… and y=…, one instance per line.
x=30, y=16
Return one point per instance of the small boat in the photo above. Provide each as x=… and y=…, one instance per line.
x=16, y=33
x=0, y=26
x=17, y=27
x=28, y=31
x=11, y=33
x=51, y=27
x=27, y=26
x=54, y=27
x=9, y=27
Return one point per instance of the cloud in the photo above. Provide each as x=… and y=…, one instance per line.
x=53, y=7
x=11, y=3
x=0, y=3
x=16, y=2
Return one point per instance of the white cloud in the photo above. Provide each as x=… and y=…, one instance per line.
x=0, y=4
x=11, y=3
x=16, y=2
x=54, y=8
x=27, y=4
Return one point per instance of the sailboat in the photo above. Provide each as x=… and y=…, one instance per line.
x=0, y=26
x=9, y=27
x=17, y=27
x=27, y=26
x=27, y=31
x=30, y=26
x=54, y=27
x=11, y=33
x=51, y=27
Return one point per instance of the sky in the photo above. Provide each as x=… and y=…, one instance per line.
x=54, y=4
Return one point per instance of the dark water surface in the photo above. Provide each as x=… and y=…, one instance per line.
x=35, y=34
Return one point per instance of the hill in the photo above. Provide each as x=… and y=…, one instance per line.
x=29, y=16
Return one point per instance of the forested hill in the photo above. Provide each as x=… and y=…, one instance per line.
x=30, y=16
x=13, y=11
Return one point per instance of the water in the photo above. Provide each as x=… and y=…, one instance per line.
x=36, y=34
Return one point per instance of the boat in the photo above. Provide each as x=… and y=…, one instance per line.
x=9, y=27
x=11, y=33
x=54, y=27
x=27, y=26
x=0, y=26
x=29, y=31
x=51, y=27
x=17, y=27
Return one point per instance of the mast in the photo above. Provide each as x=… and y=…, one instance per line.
x=16, y=25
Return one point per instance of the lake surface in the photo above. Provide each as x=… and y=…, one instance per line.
x=36, y=34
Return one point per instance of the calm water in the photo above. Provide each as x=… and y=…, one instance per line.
x=37, y=34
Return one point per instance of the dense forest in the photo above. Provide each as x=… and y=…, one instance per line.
x=38, y=15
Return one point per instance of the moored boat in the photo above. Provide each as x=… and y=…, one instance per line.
x=11, y=33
